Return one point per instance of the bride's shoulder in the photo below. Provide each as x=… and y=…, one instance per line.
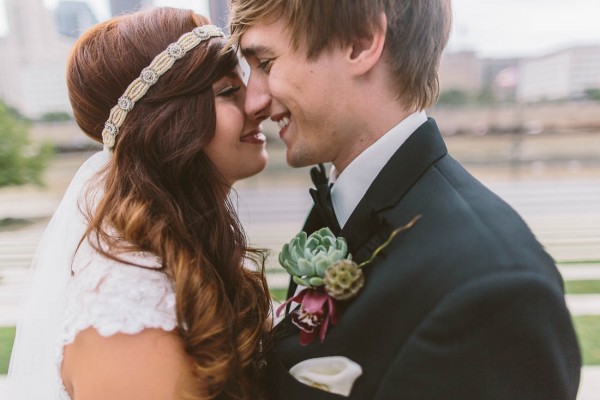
x=114, y=296
x=151, y=364
x=120, y=328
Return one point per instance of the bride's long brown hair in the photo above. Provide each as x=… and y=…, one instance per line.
x=162, y=194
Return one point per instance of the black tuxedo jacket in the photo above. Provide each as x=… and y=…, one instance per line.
x=464, y=305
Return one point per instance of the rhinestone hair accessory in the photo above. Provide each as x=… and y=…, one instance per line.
x=150, y=75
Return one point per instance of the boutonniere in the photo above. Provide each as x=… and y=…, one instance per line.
x=321, y=262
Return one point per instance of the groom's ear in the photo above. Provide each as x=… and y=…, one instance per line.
x=366, y=51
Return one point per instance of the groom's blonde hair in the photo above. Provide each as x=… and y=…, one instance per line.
x=417, y=33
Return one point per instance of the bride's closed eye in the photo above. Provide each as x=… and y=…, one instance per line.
x=228, y=91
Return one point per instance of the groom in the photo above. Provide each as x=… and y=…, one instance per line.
x=466, y=304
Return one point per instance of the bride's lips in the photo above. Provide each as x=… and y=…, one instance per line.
x=254, y=137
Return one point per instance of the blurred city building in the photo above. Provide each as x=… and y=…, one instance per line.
x=499, y=77
x=32, y=72
x=73, y=18
x=460, y=71
x=36, y=48
x=464, y=78
x=118, y=7
x=566, y=74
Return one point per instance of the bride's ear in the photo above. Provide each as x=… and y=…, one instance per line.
x=365, y=52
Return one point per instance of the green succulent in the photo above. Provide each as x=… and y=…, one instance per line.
x=307, y=257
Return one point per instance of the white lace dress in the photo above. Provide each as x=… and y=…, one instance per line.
x=114, y=297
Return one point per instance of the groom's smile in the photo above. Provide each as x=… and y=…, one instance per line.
x=283, y=124
x=301, y=95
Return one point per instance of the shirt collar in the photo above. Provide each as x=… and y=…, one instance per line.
x=352, y=184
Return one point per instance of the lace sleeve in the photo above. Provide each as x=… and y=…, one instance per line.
x=113, y=297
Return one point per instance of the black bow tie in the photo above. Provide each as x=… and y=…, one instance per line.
x=323, y=206
x=322, y=198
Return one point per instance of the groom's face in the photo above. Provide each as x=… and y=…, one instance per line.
x=306, y=98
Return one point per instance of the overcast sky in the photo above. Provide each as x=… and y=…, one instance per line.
x=493, y=28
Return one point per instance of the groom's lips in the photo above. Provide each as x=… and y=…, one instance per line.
x=283, y=130
x=283, y=121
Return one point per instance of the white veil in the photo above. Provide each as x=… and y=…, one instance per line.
x=33, y=372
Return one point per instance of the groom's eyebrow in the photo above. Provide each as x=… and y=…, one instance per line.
x=257, y=51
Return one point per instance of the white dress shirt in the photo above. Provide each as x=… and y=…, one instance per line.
x=352, y=184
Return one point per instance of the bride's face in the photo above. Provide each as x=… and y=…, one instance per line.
x=238, y=146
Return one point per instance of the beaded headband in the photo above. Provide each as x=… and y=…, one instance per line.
x=149, y=76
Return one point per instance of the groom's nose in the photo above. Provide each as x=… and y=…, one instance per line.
x=258, y=97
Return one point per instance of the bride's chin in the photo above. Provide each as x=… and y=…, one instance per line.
x=253, y=170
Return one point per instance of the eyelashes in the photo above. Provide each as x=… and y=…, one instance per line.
x=265, y=65
x=228, y=91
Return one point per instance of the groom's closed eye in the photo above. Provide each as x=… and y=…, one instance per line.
x=258, y=56
x=265, y=65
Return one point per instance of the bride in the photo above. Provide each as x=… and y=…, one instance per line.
x=140, y=289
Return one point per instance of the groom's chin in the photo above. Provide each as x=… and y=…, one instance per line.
x=298, y=164
x=296, y=159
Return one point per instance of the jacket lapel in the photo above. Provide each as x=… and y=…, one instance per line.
x=365, y=229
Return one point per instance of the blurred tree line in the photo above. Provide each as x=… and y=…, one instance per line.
x=592, y=94
x=458, y=98
x=486, y=97
x=21, y=161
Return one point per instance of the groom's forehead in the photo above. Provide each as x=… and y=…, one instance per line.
x=264, y=39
